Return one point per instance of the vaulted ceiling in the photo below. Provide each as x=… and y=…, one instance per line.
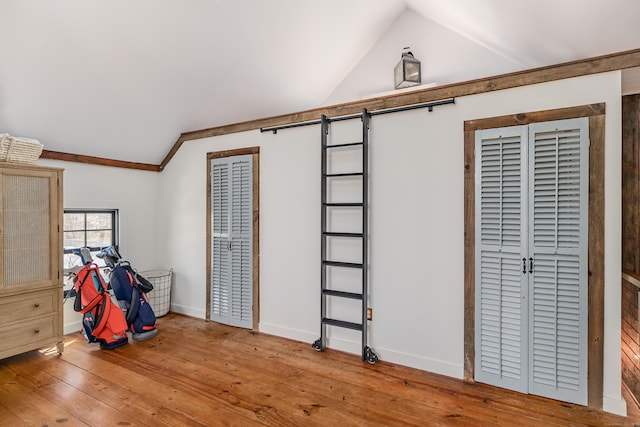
x=123, y=79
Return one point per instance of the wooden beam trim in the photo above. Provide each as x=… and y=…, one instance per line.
x=235, y=152
x=171, y=153
x=595, y=297
x=79, y=158
x=256, y=239
x=536, y=117
x=469, y=255
x=630, y=165
x=600, y=64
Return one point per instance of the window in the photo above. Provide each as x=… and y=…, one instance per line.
x=87, y=228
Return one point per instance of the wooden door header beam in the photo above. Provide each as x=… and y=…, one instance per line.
x=583, y=67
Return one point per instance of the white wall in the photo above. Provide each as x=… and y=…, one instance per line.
x=134, y=193
x=416, y=226
x=444, y=54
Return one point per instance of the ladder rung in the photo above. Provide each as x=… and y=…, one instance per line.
x=350, y=144
x=344, y=205
x=333, y=175
x=342, y=324
x=335, y=234
x=341, y=294
x=342, y=264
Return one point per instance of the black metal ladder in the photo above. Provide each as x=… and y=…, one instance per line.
x=320, y=344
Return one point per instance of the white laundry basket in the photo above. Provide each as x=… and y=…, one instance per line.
x=160, y=296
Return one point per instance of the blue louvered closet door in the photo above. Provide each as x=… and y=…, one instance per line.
x=531, y=258
x=232, y=241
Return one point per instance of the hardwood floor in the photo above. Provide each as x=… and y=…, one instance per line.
x=197, y=373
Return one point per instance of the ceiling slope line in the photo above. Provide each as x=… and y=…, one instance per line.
x=583, y=67
x=472, y=38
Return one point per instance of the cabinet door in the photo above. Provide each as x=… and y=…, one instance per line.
x=29, y=216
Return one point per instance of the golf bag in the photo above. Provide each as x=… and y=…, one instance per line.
x=102, y=320
x=130, y=288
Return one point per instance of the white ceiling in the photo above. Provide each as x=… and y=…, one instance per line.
x=122, y=79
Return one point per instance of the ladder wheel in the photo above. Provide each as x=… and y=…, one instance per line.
x=370, y=356
x=317, y=345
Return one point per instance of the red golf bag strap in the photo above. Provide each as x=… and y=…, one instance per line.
x=92, y=304
x=102, y=316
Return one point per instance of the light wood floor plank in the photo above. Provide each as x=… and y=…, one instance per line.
x=197, y=373
x=348, y=389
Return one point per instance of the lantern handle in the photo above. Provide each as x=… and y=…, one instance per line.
x=408, y=52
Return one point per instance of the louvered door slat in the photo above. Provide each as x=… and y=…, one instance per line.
x=220, y=198
x=558, y=234
x=501, y=350
x=240, y=284
x=231, y=241
x=219, y=279
x=220, y=273
x=241, y=242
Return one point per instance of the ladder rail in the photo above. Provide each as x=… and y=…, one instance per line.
x=365, y=231
x=324, y=125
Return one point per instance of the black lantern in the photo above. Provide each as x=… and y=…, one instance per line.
x=407, y=71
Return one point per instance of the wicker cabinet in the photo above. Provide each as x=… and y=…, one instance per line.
x=30, y=258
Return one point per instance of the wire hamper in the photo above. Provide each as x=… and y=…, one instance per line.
x=160, y=296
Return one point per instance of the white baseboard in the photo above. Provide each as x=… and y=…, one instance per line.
x=189, y=311
x=405, y=359
x=435, y=366
x=294, y=334
x=70, y=328
x=614, y=405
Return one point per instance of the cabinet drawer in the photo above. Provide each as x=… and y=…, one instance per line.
x=28, y=332
x=27, y=306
